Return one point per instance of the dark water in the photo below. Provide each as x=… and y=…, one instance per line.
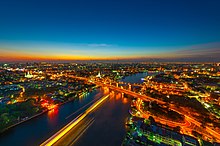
x=107, y=129
x=136, y=78
x=37, y=130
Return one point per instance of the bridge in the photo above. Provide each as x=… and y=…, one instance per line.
x=52, y=140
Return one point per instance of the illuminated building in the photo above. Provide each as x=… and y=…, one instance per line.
x=28, y=75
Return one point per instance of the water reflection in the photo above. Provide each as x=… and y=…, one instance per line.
x=53, y=113
x=108, y=127
x=52, y=116
x=125, y=100
x=106, y=90
x=47, y=124
x=119, y=96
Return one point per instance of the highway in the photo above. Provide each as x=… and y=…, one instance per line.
x=185, y=124
x=136, y=95
x=147, y=98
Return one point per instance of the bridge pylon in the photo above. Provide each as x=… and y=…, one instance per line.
x=129, y=87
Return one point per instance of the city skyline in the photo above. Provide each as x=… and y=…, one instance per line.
x=109, y=72
x=113, y=30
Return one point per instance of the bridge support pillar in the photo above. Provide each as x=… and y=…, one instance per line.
x=129, y=87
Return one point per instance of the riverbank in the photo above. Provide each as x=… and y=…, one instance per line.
x=33, y=132
x=110, y=122
x=46, y=110
x=23, y=121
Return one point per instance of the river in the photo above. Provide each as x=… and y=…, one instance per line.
x=35, y=131
x=108, y=127
x=135, y=78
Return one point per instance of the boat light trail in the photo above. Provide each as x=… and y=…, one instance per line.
x=73, y=123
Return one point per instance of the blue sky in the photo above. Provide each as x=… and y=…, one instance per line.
x=108, y=28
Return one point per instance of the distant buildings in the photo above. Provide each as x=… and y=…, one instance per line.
x=28, y=75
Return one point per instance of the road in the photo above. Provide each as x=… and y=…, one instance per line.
x=136, y=95
x=147, y=98
x=185, y=124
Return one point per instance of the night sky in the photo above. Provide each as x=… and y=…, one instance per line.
x=169, y=30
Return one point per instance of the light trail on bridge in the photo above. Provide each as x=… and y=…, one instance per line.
x=52, y=140
x=164, y=121
x=147, y=98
